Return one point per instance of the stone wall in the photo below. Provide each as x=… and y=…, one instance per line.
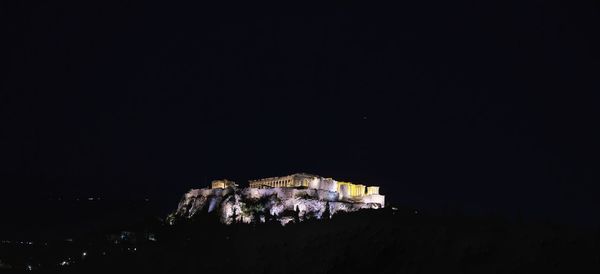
x=374, y=198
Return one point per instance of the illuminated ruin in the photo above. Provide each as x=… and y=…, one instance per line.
x=224, y=183
x=290, y=198
x=345, y=190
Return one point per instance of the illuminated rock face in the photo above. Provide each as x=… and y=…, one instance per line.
x=257, y=205
x=290, y=198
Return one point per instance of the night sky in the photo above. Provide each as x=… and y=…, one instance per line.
x=488, y=107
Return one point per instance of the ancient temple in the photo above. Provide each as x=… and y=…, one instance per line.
x=345, y=190
x=224, y=183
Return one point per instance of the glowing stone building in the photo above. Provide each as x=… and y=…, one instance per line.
x=224, y=183
x=284, y=199
x=346, y=190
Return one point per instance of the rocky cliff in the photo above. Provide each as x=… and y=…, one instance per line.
x=253, y=205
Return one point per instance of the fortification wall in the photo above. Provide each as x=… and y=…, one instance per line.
x=314, y=183
x=344, y=191
x=328, y=184
x=374, y=198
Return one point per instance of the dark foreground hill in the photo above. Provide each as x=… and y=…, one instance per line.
x=369, y=241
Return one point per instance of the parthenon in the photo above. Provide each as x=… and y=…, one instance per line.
x=345, y=190
x=294, y=180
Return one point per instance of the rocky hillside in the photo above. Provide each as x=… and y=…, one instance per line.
x=251, y=205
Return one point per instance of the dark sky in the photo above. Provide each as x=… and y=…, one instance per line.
x=489, y=106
